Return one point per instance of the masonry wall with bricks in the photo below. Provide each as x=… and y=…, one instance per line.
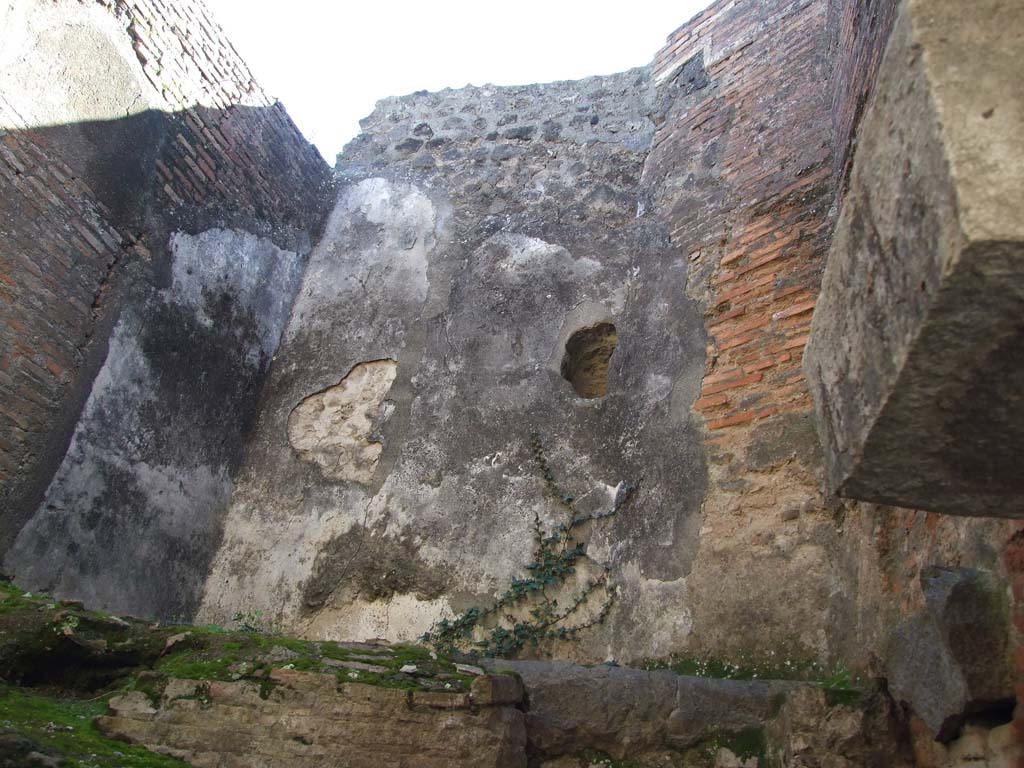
x=232, y=150
x=57, y=261
x=161, y=129
x=742, y=171
x=748, y=170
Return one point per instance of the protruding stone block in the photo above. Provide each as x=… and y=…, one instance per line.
x=916, y=356
x=496, y=690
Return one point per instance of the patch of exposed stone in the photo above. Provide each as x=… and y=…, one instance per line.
x=335, y=428
x=657, y=718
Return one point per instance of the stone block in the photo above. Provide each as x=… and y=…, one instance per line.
x=495, y=690
x=356, y=724
x=135, y=705
x=916, y=355
x=952, y=659
x=440, y=700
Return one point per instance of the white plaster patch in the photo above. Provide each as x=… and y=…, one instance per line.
x=658, y=386
x=530, y=255
x=64, y=62
x=260, y=278
x=665, y=631
x=351, y=268
x=334, y=428
x=263, y=559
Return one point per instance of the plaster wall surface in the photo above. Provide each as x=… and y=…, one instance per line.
x=476, y=230
x=136, y=502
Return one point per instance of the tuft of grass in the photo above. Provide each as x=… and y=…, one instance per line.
x=595, y=758
x=841, y=686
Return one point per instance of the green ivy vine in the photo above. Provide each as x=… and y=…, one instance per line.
x=555, y=559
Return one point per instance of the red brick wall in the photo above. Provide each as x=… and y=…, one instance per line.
x=741, y=170
x=228, y=155
x=756, y=232
x=747, y=169
x=789, y=81
x=58, y=254
x=232, y=143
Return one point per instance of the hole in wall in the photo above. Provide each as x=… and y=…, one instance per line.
x=588, y=353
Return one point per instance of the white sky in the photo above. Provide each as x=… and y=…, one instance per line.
x=329, y=62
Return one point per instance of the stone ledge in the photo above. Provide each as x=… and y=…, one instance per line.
x=917, y=339
x=308, y=718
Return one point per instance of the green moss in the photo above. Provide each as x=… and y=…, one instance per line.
x=403, y=683
x=192, y=668
x=268, y=641
x=64, y=728
x=221, y=656
x=414, y=654
x=331, y=650
x=266, y=688
x=43, y=641
x=150, y=684
x=9, y=590
x=843, y=697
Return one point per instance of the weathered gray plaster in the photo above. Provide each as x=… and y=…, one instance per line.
x=254, y=274
x=132, y=516
x=66, y=62
x=475, y=231
x=916, y=350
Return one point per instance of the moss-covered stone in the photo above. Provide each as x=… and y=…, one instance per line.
x=62, y=645
x=63, y=729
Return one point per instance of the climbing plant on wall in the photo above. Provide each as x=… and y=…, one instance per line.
x=529, y=612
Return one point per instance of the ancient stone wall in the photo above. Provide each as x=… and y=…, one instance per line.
x=741, y=172
x=485, y=239
x=747, y=172
x=567, y=308
x=57, y=263
x=309, y=719
x=233, y=150
x=481, y=239
x=153, y=195
x=64, y=242
x=487, y=244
